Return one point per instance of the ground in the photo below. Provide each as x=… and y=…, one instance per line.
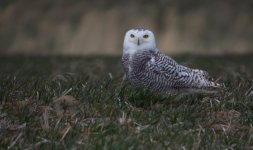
x=75, y=102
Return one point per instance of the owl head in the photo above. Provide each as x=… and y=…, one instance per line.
x=138, y=40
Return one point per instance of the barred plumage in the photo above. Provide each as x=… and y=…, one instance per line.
x=146, y=67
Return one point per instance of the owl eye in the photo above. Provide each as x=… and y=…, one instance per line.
x=145, y=36
x=131, y=35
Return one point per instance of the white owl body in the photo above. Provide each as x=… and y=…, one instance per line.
x=146, y=67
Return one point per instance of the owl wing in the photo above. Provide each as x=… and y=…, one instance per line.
x=176, y=76
x=167, y=68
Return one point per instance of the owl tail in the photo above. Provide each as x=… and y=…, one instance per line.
x=202, y=83
x=210, y=87
x=214, y=86
x=207, y=85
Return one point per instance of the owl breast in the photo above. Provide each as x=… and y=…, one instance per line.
x=135, y=68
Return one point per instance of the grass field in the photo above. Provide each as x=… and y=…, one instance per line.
x=74, y=102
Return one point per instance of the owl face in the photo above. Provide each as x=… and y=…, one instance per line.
x=139, y=39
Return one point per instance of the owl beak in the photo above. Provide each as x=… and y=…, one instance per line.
x=138, y=42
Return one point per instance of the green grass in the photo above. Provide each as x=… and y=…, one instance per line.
x=67, y=102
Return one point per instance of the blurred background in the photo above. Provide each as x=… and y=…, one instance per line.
x=97, y=27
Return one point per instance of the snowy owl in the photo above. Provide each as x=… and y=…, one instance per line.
x=146, y=67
